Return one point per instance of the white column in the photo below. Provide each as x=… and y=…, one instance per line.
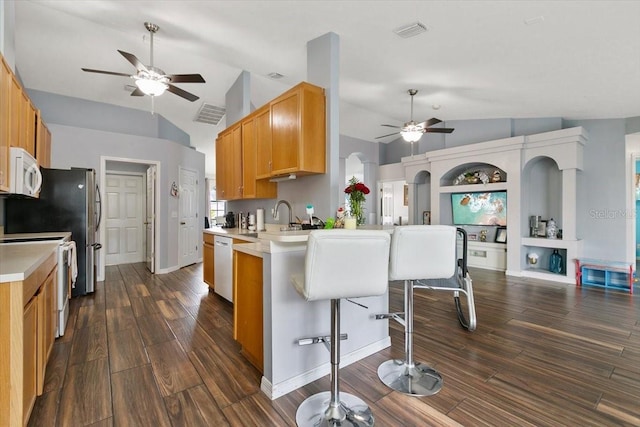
x=569, y=199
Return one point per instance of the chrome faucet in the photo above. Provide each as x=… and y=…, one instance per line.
x=275, y=210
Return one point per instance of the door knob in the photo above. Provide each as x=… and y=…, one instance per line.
x=182, y=223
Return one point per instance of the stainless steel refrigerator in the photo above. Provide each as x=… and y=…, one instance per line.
x=69, y=201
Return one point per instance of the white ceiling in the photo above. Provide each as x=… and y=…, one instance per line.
x=478, y=59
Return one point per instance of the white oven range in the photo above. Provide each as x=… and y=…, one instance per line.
x=66, y=258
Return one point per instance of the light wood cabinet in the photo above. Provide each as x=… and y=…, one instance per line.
x=43, y=143
x=5, y=123
x=263, y=143
x=208, y=261
x=229, y=164
x=252, y=187
x=27, y=332
x=30, y=359
x=298, y=131
x=247, y=313
x=28, y=125
x=46, y=325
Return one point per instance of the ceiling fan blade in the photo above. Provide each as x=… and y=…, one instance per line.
x=134, y=61
x=439, y=130
x=186, y=78
x=183, y=93
x=113, y=73
x=384, y=136
x=432, y=121
x=391, y=126
x=137, y=92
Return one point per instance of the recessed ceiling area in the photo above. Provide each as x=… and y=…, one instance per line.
x=489, y=59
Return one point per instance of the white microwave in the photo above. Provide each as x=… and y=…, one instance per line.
x=25, y=177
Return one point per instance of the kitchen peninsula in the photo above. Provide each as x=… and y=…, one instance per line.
x=287, y=317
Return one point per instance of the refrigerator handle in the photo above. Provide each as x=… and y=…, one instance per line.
x=98, y=206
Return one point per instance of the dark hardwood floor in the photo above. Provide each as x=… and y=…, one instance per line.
x=149, y=350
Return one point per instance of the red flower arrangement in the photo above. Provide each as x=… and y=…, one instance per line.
x=356, y=191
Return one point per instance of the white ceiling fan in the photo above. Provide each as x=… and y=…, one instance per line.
x=412, y=131
x=151, y=80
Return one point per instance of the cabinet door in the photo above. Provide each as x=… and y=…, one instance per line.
x=29, y=125
x=248, y=325
x=220, y=167
x=207, y=262
x=263, y=143
x=5, y=123
x=30, y=345
x=235, y=160
x=43, y=143
x=46, y=324
x=15, y=113
x=285, y=135
x=229, y=164
x=249, y=158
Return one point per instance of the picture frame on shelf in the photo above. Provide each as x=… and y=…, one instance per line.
x=542, y=228
x=426, y=218
x=501, y=235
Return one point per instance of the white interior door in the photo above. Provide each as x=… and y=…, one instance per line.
x=125, y=218
x=188, y=216
x=149, y=222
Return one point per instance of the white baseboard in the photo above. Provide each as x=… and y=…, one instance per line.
x=166, y=270
x=274, y=391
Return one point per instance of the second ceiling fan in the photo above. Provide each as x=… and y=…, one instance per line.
x=412, y=131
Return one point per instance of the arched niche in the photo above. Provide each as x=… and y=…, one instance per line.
x=542, y=191
x=473, y=173
x=420, y=200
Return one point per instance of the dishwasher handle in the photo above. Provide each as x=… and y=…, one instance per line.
x=219, y=243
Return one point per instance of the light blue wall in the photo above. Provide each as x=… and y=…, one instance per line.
x=69, y=111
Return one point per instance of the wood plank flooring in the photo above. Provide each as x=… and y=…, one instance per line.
x=157, y=350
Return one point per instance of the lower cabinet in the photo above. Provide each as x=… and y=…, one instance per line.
x=30, y=358
x=487, y=255
x=247, y=309
x=27, y=333
x=207, y=263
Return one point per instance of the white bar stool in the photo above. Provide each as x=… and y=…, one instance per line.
x=330, y=275
x=417, y=252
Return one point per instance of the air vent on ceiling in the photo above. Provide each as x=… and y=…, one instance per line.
x=210, y=114
x=275, y=75
x=410, y=30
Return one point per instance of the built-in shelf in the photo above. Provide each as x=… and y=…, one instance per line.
x=543, y=242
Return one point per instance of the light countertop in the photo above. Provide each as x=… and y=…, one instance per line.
x=19, y=260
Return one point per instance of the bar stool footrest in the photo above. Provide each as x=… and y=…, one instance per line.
x=416, y=380
x=319, y=339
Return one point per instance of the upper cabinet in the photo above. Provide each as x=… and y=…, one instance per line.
x=229, y=164
x=298, y=131
x=255, y=133
x=43, y=143
x=5, y=120
x=20, y=125
x=286, y=136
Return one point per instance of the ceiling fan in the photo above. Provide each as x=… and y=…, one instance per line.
x=412, y=131
x=151, y=80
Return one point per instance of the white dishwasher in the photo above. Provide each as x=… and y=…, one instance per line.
x=223, y=268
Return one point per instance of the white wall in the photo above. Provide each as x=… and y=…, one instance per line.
x=80, y=147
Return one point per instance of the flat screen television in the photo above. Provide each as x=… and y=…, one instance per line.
x=481, y=208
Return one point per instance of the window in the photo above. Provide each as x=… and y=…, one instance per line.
x=216, y=208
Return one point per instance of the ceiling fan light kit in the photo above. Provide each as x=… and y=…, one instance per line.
x=412, y=131
x=151, y=80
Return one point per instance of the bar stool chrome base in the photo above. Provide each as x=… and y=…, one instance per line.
x=416, y=380
x=316, y=411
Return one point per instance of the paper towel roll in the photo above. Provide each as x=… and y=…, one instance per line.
x=260, y=219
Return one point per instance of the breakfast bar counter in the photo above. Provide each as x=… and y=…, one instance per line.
x=287, y=317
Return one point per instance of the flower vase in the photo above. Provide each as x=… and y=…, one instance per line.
x=357, y=211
